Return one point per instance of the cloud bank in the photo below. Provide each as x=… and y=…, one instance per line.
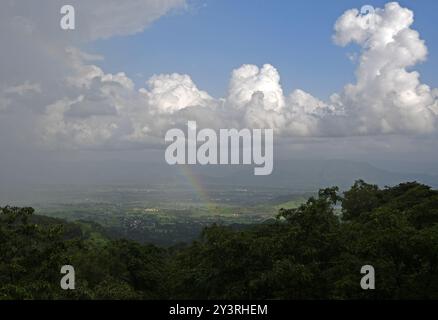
x=55, y=95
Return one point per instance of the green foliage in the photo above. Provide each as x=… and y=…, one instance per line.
x=309, y=252
x=32, y=256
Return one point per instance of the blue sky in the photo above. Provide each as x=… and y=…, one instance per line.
x=213, y=37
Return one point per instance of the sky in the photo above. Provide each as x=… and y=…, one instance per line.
x=214, y=37
x=331, y=81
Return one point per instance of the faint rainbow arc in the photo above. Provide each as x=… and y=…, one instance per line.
x=198, y=187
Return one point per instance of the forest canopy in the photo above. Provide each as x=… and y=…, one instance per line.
x=315, y=251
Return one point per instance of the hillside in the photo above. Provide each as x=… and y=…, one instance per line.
x=310, y=252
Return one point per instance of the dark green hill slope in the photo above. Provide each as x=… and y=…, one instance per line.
x=315, y=251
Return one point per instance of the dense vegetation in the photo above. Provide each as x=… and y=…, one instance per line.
x=312, y=252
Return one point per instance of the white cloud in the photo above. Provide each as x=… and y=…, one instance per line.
x=387, y=97
x=249, y=79
x=173, y=92
x=107, y=18
x=75, y=104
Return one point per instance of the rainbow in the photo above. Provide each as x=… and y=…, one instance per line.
x=198, y=187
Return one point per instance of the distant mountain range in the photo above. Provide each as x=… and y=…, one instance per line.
x=308, y=175
x=305, y=175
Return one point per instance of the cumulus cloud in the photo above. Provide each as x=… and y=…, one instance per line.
x=249, y=79
x=387, y=98
x=78, y=105
x=168, y=93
